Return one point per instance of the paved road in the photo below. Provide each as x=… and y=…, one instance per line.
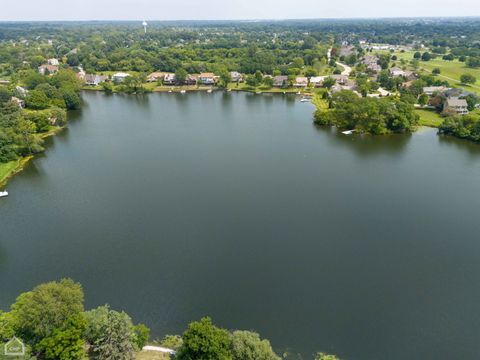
x=346, y=69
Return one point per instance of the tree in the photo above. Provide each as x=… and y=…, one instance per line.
x=324, y=356
x=225, y=78
x=473, y=61
x=180, y=76
x=37, y=100
x=436, y=71
x=35, y=314
x=468, y=79
x=417, y=55
x=423, y=99
x=426, y=56
x=72, y=100
x=110, y=334
x=66, y=343
x=247, y=345
x=204, y=341
x=329, y=82
x=141, y=335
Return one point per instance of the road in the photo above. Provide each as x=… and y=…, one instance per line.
x=346, y=69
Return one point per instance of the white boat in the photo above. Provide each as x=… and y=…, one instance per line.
x=348, y=132
x=304, y=100
x=209, y=91
x=3, y=193
x=183, y=91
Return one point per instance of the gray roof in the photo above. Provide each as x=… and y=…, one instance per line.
x=455, y=102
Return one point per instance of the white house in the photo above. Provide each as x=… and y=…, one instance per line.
x=119, y=77
x=53, y=62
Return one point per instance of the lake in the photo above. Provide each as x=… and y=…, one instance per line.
x=172, y=207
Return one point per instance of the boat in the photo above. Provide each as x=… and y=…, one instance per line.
x=3, y=193
x=304, y=100
x=209, y=91
x=183, y=91
x=348, y=132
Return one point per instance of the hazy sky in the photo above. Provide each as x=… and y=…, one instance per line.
x=230, y=9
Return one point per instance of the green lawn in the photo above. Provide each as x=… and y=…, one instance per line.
x=429, y=118
x=151, y=355
x=6, y=169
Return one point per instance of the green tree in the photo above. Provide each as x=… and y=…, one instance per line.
x=141, y=335
x=110, y=334
x=37, y=313
x=423, y=99
x=66, y=342
x=247, y=345
x=180, y=76
x=329, y=82
x=436, y=71
x=204, y=341
x=72, y=100
x=468, y=79
x=37, y=100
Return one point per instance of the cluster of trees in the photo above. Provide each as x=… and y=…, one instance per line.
x=52, y=322
x=464, y=127
x=369, y=115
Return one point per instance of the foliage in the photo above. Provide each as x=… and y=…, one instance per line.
x=468, y=79
x=172, y=342
x=204, y=341
x=66, y=342
x=247, y=345
x=370, y=115
x=37, y=313
x=465, y=127
x=141, y=334
x=324, y=356
x=110, y=333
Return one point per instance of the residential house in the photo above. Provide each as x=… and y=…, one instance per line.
x=317, y=81
x=53, y=62
x=94, y=80
x=374, y=67
x=119, y=77
x=169, y=79
x=155, y=76
x=455, y=105
x=20, y=103
x=191, y=80
x=430, y=90
x=340, y=79
x=47, y=69
x=301, y=81
x=4, y=82
x=280, y=81
x=206, y=78
x=236, y=76
x=396, y=71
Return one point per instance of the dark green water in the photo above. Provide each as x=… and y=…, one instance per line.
x=235, y=206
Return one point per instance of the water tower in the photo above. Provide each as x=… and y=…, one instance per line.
x=145, y=26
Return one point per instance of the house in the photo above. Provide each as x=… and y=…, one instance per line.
x=4, y=82
x=430, y=90
x=236, y=76
x=169, y=79
x=456, y=105
x=206, y=78
x=396, y=71
x=155, y=76
x=119, y=77
x=374, y=67
x=317, y=81
x=19, y=102
x=94, y=80
x=47, y=69
x=53, y=62
x=340, y=79
x=280, y=81
x=301, y=81
x=191, y=79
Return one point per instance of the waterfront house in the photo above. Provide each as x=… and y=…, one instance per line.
x=301, y=81
x=94, y=80
x=280, y=81
x=206, y=78
x=47, y=69
x=191, y=80
x=455, y=106
x=119, y=77
x=317, y=81
x=235, y=76
x=155, y=76
x=169, y=79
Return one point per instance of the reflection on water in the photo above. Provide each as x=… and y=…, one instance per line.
x=469, y=146
x=365, y=145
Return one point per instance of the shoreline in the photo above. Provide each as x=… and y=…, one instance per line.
x=23, y=162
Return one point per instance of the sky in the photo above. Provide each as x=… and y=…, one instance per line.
x=230, y=9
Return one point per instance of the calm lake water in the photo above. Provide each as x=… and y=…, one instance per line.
x=173, y=207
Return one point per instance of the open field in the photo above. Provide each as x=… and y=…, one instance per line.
x=429, y=118
x=151, y=355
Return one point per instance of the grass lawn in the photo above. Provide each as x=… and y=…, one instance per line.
x=429, y=118
x=151, y=355
x=6, y=169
